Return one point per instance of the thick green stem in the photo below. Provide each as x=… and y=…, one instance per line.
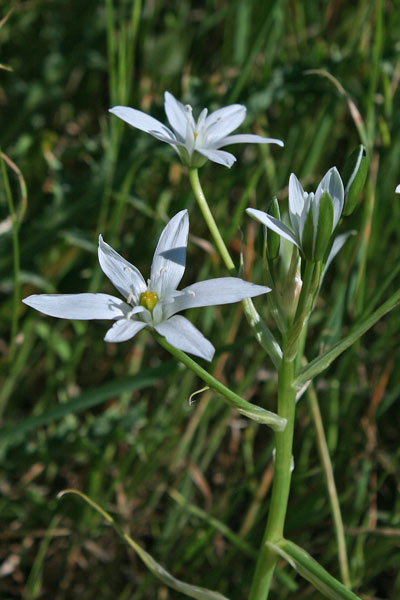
x=267, y=557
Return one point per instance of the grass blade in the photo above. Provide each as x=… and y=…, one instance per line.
x=158, y=571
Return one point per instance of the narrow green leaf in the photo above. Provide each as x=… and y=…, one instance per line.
x=312, y=571
x=146, y=378
x=158, y=571
x=322, y=362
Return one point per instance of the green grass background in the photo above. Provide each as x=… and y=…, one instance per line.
x=114, y=421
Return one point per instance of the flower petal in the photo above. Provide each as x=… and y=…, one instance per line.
x=181, y=334
x=247, y=138
x=126, y=278
x=296, y=203
x=397, y=190
x=223, y=121
x=123, y=329
x=332, y=183
x=176, y=114
x=273, y=224
x=218, y=156
x=213, y=292
x=170, y=256
x=141, y=121
x=78, y=306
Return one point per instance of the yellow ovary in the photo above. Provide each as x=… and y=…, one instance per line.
x=148, y=299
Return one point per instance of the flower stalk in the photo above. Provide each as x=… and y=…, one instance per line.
x=261, y=332
x=252, y=411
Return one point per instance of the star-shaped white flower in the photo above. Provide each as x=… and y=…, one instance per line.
x=195, y=141
x=313, y=217
x=153, y=304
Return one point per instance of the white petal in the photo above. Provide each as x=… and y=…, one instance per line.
x=126, y=278
x=273, y=224
x=170, y=256
x=223, y=121
x=181, y=334
x=296, y=203
x=141, y=121
x=123, y=329
x=78, y=306
x=213, y=292
x=398, y=189
x=247, y=138
x=218, y=156
x=176, y=114
x=332, y=183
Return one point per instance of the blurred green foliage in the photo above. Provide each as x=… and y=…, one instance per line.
x=86, y=173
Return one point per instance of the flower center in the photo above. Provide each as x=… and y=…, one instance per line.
x=148, y=299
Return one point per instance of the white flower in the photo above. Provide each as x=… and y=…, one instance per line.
x=313, y=218
x=195, y=142
x=156, y=303
x=398, y=189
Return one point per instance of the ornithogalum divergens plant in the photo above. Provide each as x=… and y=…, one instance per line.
x=311, y=228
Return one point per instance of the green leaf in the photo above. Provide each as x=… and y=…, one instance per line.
x=158, y=571
x=312, y=571
x=322, y=362
x=146, y=378
x=323, y=227
x=354, y=175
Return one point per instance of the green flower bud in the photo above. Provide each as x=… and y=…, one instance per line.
x=324, y=226
x=317, y=227
x=273, y=239
x=354, y=176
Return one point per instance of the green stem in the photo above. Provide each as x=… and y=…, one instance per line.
x=209, y=219
x=330, y=483
x=267, y=557
x=252, y=411
x=262, y=333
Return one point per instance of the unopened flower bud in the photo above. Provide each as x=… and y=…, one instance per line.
x=354, y=176
x=317, y=227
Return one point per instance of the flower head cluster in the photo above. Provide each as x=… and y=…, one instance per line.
x=313, y=217
x=195, y=141
x=153, y=304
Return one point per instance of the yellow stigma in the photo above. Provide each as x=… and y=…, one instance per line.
x=148, y=300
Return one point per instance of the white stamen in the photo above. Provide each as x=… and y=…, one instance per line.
x=191, y=292
x=130, y=297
